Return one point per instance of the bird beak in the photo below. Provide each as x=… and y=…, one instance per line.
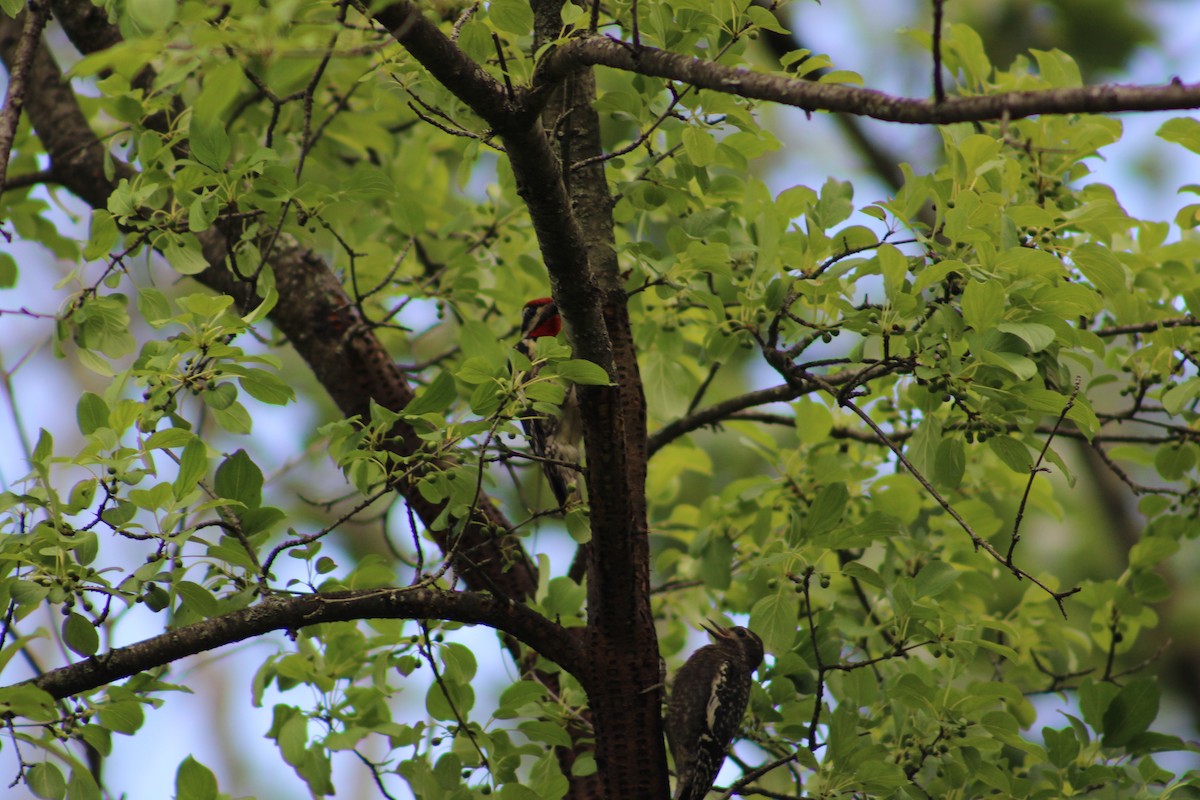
x=716, y=631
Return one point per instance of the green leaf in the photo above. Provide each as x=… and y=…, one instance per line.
x=434, y=398
x=935, y=578
x=1173, y=462
x=1034, y=334
x=1019, y=366
x=153, y=305
x=194, y=781
x=91, y=412
x=82, y=786
x=1102, y=269
x=459, y=662
x=1130, y=712
x=193, y=465
x=103, y=235
x=577, y=370
x=511, y=16
x=950, y=463
x=149, y=16
x=447, y=707
x=1182, y=130
x=46, y=780
x=1015, y=455
x=8, y=271
x=169, y=439
x=699, y=145
x=1180, y=395
x=183, y=258
x=80, y=635
x=210, y=143
x=546, y=778
x=239, y=478
x=1061, y=746
x=198, y=599
x=983, y=304
x=773, y=618
x=125, y=716
x=716, y=563
x=827, y=509
x=266, y=387
x=43, y=448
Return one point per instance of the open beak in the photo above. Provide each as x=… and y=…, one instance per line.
x=716, y=631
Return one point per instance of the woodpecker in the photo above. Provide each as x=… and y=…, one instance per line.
x=707, y=705
x=555, y=439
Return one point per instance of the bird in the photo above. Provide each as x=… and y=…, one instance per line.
x=553, y=439
x=707, y=704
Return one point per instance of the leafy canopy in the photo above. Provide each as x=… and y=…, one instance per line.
x=905, y=393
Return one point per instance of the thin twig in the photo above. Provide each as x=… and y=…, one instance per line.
x=1035, y=469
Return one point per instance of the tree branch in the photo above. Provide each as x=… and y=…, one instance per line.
x=453, y=68
x=718, y=411
x=14, y=98
x=603, y=51
x=477, y=608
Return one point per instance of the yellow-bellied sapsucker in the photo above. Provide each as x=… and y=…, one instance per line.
x=707, y=704
x=552, y=439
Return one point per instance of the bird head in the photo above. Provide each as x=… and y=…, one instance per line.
x=742, y=639
x=540, y=318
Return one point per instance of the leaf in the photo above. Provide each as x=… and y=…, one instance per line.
x=169, y=439
x=1015, y=455
x=1019, y=366
x=122, y=717
x=1130, y=712
x=827, y=509
x=266, y=387
x=8, y=271
x=773, y=618
x=1034, y=334
x=983, y=304
x=699, y=145
x=91, y=413
x=459, y=662
x=1102, y=269
x=935, y=578
x=950, y=463
x=194, y=781
x=103, y=235
x=1061, y=746
x=446, y=708
x=209, y=141
x=184, y=259
x=434, y=398
x=716, y=564
x=153, y=305
x=198, y=599
x=149, y=16
x=193, y=465
x=80, y=635
x=1182, y=130
x=1180, y=395
x=576, y=370
x=239, y=478
x=46, y=780
x=511, y=16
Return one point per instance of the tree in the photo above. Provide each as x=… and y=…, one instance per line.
x=948, y=369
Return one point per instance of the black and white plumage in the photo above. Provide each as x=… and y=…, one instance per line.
x=707, y=704
x=553, y=439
